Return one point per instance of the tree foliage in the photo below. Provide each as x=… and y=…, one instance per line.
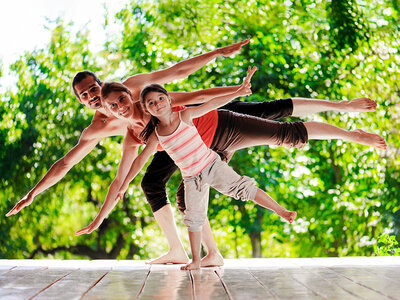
x=346, y=195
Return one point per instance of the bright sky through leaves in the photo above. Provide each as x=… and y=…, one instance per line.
x=23, y=22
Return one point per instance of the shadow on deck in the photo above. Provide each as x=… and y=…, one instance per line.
x=275, y=278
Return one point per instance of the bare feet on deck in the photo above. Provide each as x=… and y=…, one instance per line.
x=289, y=216
x=360, y=105
x=214, y=259
x=172, y=257
x=192, y=266
x=368, y=139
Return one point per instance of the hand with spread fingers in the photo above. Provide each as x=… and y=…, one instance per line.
x=232, y=49
x=26, y=201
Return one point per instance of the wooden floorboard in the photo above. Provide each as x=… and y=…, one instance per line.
x=208, y=285
x=277, y=278
x=166, y=282
x=119, y=284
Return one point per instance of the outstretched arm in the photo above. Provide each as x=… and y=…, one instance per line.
x=126, y=170
x=244, y=90
x=183, y=68
x=88, y=140
x=201, y=96
x=58, y=170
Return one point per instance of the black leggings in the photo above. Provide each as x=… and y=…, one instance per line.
x=235, y=131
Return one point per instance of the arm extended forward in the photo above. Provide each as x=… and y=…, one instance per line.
x=243, y=90
x=58, y=170
x=182, y=69
x=126, y=171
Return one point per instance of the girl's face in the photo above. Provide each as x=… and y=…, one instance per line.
x=120, y=104
x=157, y=103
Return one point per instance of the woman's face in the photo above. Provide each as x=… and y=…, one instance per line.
x=157, y=103
x=120, y=104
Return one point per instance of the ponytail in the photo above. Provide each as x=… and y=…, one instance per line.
x=149, y=129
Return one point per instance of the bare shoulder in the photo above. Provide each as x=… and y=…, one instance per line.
x=104, y=126
x=186, y=115
x=136, y=82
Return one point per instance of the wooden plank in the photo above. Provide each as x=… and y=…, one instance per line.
x=7, y=278
x=167, y=282
x=241, y=284
x=309, y=278
x=75, y=285
x=366, y=278
x=281, y=283
x=207, y=284
x=391, y=273
x=31, y=282
x=346, y=284
x=5, y=269
x=320, y=285
x=119, y=284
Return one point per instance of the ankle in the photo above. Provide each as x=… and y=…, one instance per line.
x=214, y=251
x=176, y=249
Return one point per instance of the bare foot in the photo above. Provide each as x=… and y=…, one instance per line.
x=368, y=139
x=192, y=266
x=172, y=257
x=360, y=105
x=289, y=216
x=214, y=259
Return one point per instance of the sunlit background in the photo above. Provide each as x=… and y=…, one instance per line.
x=347, y=196
x=24, y=25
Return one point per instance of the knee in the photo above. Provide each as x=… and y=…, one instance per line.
x=246, y=189
x=150, y=184
x=194, y=221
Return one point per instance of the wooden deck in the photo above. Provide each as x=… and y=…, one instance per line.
x=308, y=278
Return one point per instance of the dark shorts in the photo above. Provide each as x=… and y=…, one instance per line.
x=235, y=131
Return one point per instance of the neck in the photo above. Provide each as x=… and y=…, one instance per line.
x=166, y=119
x=103, y=111
x=139, y=116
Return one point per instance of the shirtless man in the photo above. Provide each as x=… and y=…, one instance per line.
x=87, y=89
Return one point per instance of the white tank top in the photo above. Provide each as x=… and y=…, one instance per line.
x=187, y=149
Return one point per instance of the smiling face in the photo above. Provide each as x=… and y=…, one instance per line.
x=157, y=103
x=120, y=104
x=88, y=92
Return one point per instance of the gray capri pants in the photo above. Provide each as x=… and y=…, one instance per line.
x=221, y=177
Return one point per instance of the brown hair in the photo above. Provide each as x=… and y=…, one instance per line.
x=149, y=129
x=109, y=87
x=81, y=76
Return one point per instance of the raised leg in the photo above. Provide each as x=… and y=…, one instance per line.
x=306, y=106
x=263, y=199
x=323, y=131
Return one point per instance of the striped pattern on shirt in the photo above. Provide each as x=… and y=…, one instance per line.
x=187, y=149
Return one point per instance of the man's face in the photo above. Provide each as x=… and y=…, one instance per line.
x=89, y=92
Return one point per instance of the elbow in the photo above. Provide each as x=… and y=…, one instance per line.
x=182, y=72
x=64, y=165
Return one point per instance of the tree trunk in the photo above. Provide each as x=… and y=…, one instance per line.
x=255, y=238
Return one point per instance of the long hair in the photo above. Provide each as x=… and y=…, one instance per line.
x=150, y=127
